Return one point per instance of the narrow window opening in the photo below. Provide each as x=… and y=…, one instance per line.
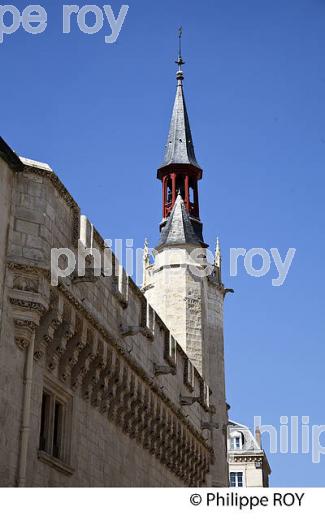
x=57, y=429
x=180, y=188
x=169, y=192
x=54, y=425
x=45, y=416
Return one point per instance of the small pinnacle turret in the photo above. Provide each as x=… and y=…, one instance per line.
x=218, y=262
x=217, y=256
x=146, y=261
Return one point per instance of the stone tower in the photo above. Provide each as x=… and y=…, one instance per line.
x=182, y=285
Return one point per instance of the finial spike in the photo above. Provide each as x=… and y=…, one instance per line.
x=218, y=262
x=180, y=34
x=145, y=263
x=218, y=254
x=180, y=61
x=145, y=249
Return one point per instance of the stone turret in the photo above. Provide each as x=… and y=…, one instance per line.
x=183, y=287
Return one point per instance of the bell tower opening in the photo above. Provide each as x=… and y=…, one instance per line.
x=184, y=184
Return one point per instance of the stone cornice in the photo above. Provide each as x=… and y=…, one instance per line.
x=258, y=457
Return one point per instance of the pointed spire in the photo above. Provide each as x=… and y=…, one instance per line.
x=178, y=229
x=217, y=256
x=146, y=262
x=218, y=262
x=146, y=250
x=179, y=148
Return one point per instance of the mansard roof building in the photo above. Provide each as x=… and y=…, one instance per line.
x=248, y=463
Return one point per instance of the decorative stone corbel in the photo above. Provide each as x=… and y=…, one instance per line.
x=111, y=379
x=28, y=306
x=118, y=404
x=118, y=389
x=23, y=332
x=90, y=381
x=48, y=325
x=100, y=389
x=75, y=345
x=64, y=332
x=86, y=356
x=130, y=396
x=136, y=405
x=98, y=363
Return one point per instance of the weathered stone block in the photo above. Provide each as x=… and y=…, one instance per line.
x=31, y=215
x=30, y=228
x=33, y=254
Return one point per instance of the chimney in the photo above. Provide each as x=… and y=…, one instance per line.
x=258, y=437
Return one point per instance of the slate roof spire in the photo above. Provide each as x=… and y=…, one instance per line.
x=179, y=148
x=178, y=229
x=179, y=175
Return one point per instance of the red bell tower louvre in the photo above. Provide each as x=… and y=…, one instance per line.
x=180, y=171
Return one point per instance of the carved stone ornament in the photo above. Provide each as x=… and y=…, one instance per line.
x=27, y=284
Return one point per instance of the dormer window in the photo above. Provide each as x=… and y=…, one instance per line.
x=236, y=443
x=236, y=440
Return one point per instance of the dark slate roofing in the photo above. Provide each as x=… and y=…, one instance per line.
x=180, y=148
x=9, y=156
x=178, y=228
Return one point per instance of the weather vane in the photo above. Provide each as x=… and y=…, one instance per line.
x=180, y=61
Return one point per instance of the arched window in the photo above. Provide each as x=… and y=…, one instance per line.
x=191, y=195
x=180, y=187
x=169, y=191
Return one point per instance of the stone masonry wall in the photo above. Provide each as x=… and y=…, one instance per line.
x=101, y=348
x=174, y=291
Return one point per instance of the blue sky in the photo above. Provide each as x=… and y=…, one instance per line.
x=254, y=85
